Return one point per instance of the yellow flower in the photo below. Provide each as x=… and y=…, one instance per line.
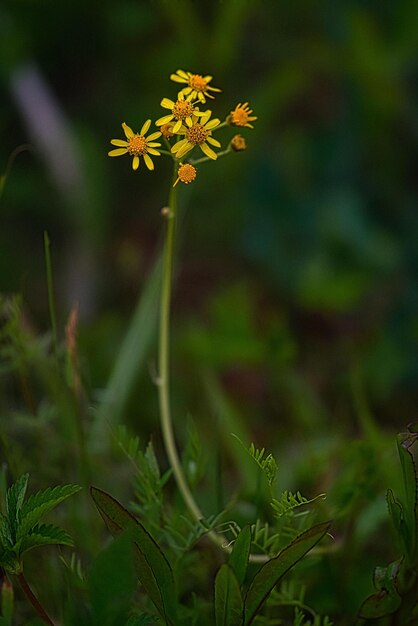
x=197, y=85
x=197, y=133
x=137, y=145
x=241, y=115
x=181, y=111
x=186, y=173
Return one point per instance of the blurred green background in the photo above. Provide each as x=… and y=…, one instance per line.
x=296, y=290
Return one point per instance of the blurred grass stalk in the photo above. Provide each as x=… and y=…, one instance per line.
x=129, y=362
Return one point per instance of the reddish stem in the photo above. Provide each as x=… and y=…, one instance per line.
x=34, y=600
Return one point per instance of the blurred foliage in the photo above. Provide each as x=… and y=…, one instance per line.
x=295, y=308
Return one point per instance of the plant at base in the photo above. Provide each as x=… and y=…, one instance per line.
x=20, y=530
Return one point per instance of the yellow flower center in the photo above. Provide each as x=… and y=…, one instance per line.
x=197, y=134
x=239, y=116
x=187, y=173
x=197, y=82
x=137, y=145
x=182, y=109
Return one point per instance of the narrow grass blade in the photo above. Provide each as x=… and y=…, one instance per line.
x=128, y=363
x=229, y=609
x=151, y=565
x=270, y=574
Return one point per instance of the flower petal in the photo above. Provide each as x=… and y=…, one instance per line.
x=166, y=103
x=118, y=152
x=207, y=78
x=184, y=150
x=177, y=127
x=178, y=79
x=153, y=144
x=153, y=151
x=145, y=127
x=183, y=74
x=118, y=142
x=153, y=136
x=179, y=145
x=212, y=124
x=208, y=151
x=205, y=117
x=135, y=162
x=213, y=142
x=148, y=162
x=127, y=130
x=164, y=120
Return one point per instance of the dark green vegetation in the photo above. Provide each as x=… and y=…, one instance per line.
x=294, y=317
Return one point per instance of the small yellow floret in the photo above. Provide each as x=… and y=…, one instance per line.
x=241, y=116
x=186, y=173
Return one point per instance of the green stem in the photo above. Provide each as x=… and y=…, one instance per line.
x=164, y=356
x=228, y=150
x=34, y=600
x=163, y=381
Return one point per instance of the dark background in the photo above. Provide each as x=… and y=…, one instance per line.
x=297, y=274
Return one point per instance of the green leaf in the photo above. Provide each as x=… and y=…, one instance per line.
x=14, y=500
x=398, y=518
x=238, y=560
x=387, y=599
x=5, y=535
x=409, y=474
x=112, y=582
x=229, y=608
x=270, y=574
x=152, y=567
x=40, y=503
x=43, y=535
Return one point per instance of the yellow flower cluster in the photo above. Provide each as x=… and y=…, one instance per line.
x=188, y=124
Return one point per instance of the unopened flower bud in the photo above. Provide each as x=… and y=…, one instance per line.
x=238, y=143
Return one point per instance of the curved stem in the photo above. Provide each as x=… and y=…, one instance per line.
x=164, y=356
x=163, y=381
x=34, y=600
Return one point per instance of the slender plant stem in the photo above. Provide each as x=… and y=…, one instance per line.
x=50, y=287
x=163, y=381
x=164, y=355
x=34, y=600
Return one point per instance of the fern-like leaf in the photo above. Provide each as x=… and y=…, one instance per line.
x=14, y=500
x=40, y=503
x=290, y=501
x=43, y=535
x=266, y=463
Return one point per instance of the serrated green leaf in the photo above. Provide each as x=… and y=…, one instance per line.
x=229, y=607
x=270, y=574
x=43, y=535
x=41, y=503
x=112, y=582
x=153, y=569
x=5, y=534
x=14, y=499
x=387, y=599
x=240, y=554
